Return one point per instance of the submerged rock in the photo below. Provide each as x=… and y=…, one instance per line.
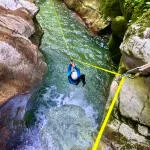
x=67, y=128
x=21, y=64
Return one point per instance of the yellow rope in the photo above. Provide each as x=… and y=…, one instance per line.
x=63, y=36
x=95, y=146
x=99, y=68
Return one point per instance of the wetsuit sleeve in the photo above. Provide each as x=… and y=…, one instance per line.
x=69, y=70
x=78, y=71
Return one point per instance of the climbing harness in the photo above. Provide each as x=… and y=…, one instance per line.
x=122, y=76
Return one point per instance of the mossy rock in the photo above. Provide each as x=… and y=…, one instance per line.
x=29, y=118
x=119, y=26
x=114, y=50
x=143, y=22
x=110, y=8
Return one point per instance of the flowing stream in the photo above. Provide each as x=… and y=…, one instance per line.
x=67, y=116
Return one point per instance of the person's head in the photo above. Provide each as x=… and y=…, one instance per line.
x=72, y=63
x=74, y=75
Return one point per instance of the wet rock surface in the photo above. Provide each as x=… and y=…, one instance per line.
x=22, y=67
x=21, y=64
x=89, y=12
x=135, y=104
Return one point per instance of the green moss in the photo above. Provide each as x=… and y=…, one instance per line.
x=119, y=26
x=127, y=8
x=29, y=118
x=132, y=10
x=114, y=50
x=143, y=22
x=110, y=8
x=42, y=1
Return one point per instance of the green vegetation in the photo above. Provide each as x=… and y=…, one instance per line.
x=121, y=14
x=110, y=8
x=119, y=26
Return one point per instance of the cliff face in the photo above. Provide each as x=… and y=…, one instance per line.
x=89, y=12
x=129, y=125
x=21, y=64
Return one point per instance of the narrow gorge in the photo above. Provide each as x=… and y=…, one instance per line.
x=39, y=109
x=129, y=43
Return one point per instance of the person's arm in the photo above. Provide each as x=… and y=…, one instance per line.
x=78, y=71
x=69, y=70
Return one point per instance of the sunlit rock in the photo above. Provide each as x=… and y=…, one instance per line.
x=21, y=64
x=15, y=4
x=135, y=104
x=89, y=12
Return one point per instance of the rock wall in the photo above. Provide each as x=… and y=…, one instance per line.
x=130, y=119
x=89, y=12
x=21, y=64
x=129, y=44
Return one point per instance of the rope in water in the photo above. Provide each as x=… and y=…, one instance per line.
x=67, y=47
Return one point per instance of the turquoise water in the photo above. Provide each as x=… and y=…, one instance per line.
x=87, y=102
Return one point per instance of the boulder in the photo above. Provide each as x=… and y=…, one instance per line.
x=88, y=10
x=22, y=66
x=15, y=4
x=18, y=21
x=134, y=100
x=143, y=130
x=135, y=47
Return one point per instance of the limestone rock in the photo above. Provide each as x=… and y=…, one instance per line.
x=15, y=4
x=126, y=131
x=113, y=89
x=121, y=136
x=136, y=43
x=134, y=100
x=17, y=21
x=89, y=12
x=21, y=67
x=21, y=64
x=143, y=130
x=137, y=46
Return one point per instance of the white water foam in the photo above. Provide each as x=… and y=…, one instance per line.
x=75, y=97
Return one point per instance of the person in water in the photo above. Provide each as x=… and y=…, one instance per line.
x=74, y=75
